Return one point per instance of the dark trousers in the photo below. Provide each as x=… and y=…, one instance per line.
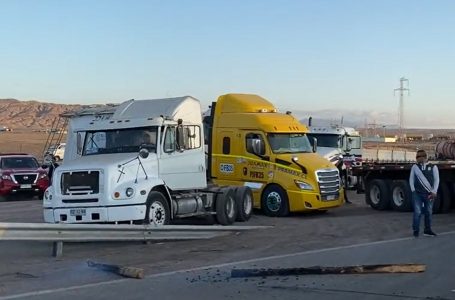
x=422, y=205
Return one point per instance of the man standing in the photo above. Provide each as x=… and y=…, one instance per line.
x=424, y=182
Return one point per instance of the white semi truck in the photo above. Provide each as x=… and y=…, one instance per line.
x=140, y=161
x=339, y=143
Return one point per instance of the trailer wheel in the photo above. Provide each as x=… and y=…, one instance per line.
x=157, y=212
x=446, y=197
x=274, y=201
x=244, y=203
x=401, y=196
x=226, y=208
x=377, y=194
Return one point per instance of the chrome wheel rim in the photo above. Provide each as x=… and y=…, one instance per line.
x=157, y=213
x=273, y=201
x=230, y=207
x=398, y=196
x=375, y=194
x=247, y=204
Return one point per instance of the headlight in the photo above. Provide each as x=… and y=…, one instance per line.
x=42, y=176
x=129, y=192
x=303, y=185
x=6, y=177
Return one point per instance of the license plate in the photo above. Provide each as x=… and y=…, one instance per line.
x=78, y=212
x=26, y=186
x=331, y=197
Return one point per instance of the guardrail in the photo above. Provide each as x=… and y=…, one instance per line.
x=59, y=233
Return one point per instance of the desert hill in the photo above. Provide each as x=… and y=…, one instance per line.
x=37, y=115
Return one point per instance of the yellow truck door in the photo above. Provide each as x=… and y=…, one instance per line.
x=225, y=166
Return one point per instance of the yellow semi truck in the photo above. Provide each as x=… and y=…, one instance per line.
x=250, y=143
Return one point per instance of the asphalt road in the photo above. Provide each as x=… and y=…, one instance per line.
x=350, y=235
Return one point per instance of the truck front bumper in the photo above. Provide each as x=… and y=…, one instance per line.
x=107, y=214
x=303, y=201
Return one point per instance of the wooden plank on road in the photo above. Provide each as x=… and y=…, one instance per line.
x=318, y=270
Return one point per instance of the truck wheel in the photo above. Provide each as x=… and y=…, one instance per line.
x=158, y=212
x=226, y=209
x=274, y=201
x=244, y=203
x=401, y=196
x=377, y=194
x=446, y=197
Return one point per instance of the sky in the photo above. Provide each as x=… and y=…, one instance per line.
x=305, y=56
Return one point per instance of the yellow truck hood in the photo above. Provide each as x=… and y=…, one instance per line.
x=311, y=161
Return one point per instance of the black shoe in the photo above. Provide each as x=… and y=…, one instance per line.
x=429, y=233
x=416, y=234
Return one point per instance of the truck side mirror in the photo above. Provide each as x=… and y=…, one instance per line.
x=349, y=144
x=315, y=145
x=180, y=138
x=144, y=153
x=258, y=147
x=79, y=143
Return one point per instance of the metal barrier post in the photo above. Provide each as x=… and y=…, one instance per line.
x=57, y=249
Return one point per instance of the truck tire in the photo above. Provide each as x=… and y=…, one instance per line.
x=157, y=212
x=377, y=194
x=226, y=208
x=274, y=201
x=446, y=197
x=244, y=203
x=401, y=196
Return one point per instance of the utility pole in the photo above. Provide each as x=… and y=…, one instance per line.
x=402, y=90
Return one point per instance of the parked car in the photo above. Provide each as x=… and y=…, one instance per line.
x=21, y=173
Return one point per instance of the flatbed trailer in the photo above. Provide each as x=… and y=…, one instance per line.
x=386, y=184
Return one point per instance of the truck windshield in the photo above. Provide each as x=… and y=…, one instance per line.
x=120, y=140
x=326, y=140
x=289, y=143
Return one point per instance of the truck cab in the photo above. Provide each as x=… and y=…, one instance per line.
x=252, y=144
x=341, y=145
x=142, y=160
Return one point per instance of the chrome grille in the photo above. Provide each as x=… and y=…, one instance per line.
x=25, y=178
x=80, y=183
x=329, y=184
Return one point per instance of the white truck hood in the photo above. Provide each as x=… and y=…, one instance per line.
x=104, y=161
x=328, y=152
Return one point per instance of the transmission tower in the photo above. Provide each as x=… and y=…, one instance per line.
x=402, y=89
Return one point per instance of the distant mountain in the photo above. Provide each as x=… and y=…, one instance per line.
x=17, y=114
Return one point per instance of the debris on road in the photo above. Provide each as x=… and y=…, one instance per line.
x=319, y=270
x=120, y=270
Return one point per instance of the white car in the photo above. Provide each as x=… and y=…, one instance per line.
x=58, y=151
